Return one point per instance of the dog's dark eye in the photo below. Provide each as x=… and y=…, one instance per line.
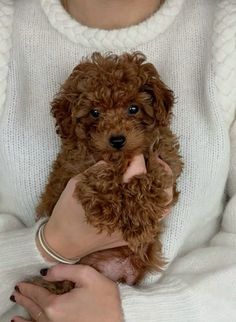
x=95, y=113
x=133, y=109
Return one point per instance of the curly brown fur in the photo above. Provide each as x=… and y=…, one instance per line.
x=113, y=87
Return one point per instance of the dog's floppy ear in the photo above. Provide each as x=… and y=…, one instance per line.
x=61, y=106
x=61, y=110
x=162, y=100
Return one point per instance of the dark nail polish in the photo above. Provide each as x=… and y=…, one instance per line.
x=12, y=298
x=17, y=289
x=44, y=271
x=12, y=320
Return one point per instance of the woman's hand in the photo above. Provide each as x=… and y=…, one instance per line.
x=95, y=298
x=67, y=230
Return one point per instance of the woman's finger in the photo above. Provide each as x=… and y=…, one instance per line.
x=37, y=294
x=165, y=165
x=79, y=274
x=31, y=307
x=136, y=167
x=169, y=190
x=168, y=170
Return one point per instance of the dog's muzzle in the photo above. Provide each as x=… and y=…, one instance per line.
x=117, y=142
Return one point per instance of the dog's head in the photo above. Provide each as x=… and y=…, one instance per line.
x=113, y=104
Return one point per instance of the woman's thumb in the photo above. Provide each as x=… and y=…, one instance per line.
x=136, y=167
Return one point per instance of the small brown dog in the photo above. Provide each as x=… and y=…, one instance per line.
x=112, y=108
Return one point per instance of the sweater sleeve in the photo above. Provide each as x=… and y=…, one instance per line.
x=197, y=287
x=20, y=257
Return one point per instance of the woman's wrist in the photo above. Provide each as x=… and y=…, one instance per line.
x=52, y=252
x=55, y=241
x=58, y=242
x=42, y=251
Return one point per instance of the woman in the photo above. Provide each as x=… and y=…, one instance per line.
x=192, y=44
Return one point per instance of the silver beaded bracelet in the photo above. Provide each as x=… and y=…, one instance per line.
x=50, y=251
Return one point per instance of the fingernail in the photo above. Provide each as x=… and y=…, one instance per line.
x=44, y=271
x=12, y=298
x=17, y=289
x=12, y=320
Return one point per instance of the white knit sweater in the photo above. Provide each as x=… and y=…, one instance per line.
x=193, y=45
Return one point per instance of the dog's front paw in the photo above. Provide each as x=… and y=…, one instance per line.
x=99, y=192
x=144, y=200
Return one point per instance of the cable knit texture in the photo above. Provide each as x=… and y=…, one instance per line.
x=121, y=38
x=224, y=56
x=192, y=44
x=6, y=16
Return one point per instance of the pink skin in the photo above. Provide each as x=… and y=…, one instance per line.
x=92, y=289
x=136, y=167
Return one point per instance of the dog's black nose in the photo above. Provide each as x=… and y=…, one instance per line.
x=117, y=142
